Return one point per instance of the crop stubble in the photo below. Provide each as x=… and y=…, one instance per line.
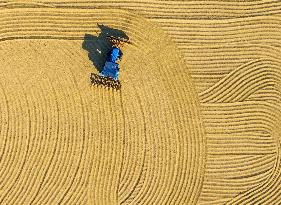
x=63, y=141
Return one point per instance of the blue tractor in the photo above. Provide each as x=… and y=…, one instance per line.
x=108, y=77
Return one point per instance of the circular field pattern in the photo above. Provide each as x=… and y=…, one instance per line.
x=64, y=141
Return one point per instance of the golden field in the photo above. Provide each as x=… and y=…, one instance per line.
x=197, y=120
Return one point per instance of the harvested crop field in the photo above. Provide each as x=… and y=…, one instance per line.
x=197, y=120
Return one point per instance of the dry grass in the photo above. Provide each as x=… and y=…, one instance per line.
x=197, y=120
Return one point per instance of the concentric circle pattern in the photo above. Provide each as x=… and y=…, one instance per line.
x=65, y=141
x=197, y=121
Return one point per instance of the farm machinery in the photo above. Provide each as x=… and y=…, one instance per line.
x=108, y=76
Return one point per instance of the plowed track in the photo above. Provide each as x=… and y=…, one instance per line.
x=197, y=120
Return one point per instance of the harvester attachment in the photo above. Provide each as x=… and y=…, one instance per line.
x=105, y=81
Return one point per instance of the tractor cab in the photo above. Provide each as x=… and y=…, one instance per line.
x=109, y=74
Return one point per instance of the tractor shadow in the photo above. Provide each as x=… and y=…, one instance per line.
x=98, y=47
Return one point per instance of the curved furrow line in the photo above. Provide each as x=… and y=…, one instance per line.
x=32, y=165
x=164, y=153
x=113, y=157
x=259, y=170
x=228, y=80
x=250, y=52
x=158, y=14
x=241, y=151
x=136, y=151
x=246, y=4
x=43, y=125
x=260, y=124
x=127, y=190
x=58, y=169
x=120, y=132
x=237, y=121
x=48, y=30
x=12, y=147
x=79, y=126
x=248, y=80
x=214, y=10
x=255, y=83
x=272, y=193
x=5, y=158
x=215, y=192
x=265, y=192
x=55, y=129
x=175, y=138
x=47, y=125
x=246, y=30
x=5, y=123
x=105, y=191
x=92, y=189
x=138, y=194
x=236, y=36
x=11, y=133
x=220, y=187
x=243, y=180
x=68, y=14
x=176, y=4
x=198, y=148
x=219, y=23
x=225, y=186
x=253, y=76
x=270, y=189
x=238, y=141
x=23, y=140
x=27, y=16
x=55, y=32
x=49, y=131
x=262, y=39
x=23, y=4
x=153, y=166
x=135, y=84
x=227, y=26
x=234, y=161
x=158, y=198
x=262, y=136
x=219, y=66
x=247, y=180
x=232, y=164
x=99, y=196
x=232, y=112
x=82, y=176
x=82, y=129
x=156, y=153
x=181, y=187
x=2, y=122
x=254, y=23
x=240, y=170
x=268, y=93
x=218, y=51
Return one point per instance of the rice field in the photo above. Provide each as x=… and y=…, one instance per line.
x=197, y=120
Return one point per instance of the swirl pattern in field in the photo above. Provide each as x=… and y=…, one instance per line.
x=153, y=145
x=141, y=145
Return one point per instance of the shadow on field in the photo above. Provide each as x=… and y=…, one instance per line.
x=98, y=46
